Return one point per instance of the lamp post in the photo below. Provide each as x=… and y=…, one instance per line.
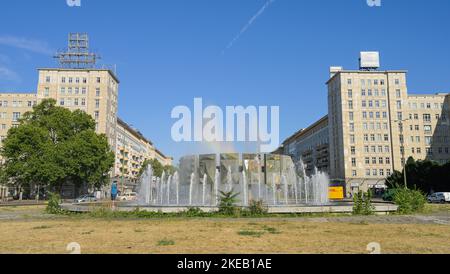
x=402, y=142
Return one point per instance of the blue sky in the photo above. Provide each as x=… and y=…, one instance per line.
x=167, y=52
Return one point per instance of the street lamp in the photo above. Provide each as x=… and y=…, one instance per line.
x=402, y=142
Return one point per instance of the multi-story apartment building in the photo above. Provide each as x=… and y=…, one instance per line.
x=132, y=150
x=12, y=107
x=92, y=90
x=374, y=126
x=310, y=146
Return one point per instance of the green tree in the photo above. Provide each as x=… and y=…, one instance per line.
x=425, y=175
x=52, y=146
x=157, y=167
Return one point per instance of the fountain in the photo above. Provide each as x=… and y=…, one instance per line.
x=253, y=176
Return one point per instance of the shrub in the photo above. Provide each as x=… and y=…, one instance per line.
x=409, y=200
x=53, y=206
x=257, y=208
x=362, y=203
x=227, y=203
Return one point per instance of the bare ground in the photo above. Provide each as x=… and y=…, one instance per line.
x=29, y=230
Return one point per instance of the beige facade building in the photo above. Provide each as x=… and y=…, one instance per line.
x=132, y=150
x=374, y=126
x=12, y=108
x=94, y=91
x=310, y=146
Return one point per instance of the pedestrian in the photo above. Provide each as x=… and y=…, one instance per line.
x=113, y=193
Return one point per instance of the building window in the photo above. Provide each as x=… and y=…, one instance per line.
x=98, y=80
x=397, y=82
x=16, y=116
x=61, y=102
x=97, y=92
x=83, y=91
x=83, y=102
x=349, y=81
x=352, y=139
x=354, y=173
x=63, y=80
x=367, y=160
x=47, y=79
x=427, y=118
x=70, y=79
x=350, y=104
x=97, y=103
x=354, y=162
x=353, y=150
x=97, y=115
x=350, y=116
x=46, y=92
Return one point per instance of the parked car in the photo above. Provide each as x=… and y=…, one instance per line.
x=439, y=197
x=88, y=198
x=130, y=196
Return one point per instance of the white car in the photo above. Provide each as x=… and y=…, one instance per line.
x=89, y=198
x=131, y=196
x=439, y=197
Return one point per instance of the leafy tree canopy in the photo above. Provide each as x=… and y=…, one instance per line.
x=53, y=145
x=427, y=176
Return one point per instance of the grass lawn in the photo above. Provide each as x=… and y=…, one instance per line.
x=210, y=235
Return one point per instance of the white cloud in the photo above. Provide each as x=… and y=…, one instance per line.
x=249, y=24
x=36, y=46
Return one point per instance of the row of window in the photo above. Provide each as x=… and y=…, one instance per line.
x=376, y=138
x=374, y=172
x=76, y=91
x=415, y=105
x=18, y=104
x=70, y=80
x=370, y=104
x=68, y=102
x=372, y=82
x=15, y=117
x=377, y=149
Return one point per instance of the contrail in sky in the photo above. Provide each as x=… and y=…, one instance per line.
x=249, y=24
